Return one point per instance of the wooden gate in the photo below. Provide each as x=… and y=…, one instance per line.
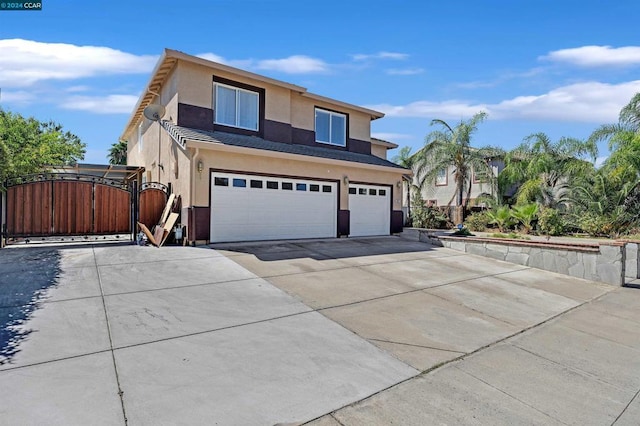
x=153, y=198
x=58, y=204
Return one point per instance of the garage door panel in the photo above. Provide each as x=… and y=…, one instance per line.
x=245, y=214
x=370, y=210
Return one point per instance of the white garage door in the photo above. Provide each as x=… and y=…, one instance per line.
x=247, y=208
x=370, y=210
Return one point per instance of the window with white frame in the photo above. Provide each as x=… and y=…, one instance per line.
x=236, y=107
x=140, y=137
x=441, y=177
x=331, y=127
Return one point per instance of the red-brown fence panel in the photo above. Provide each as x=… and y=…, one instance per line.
x=152, y=203
x=29, y=209
x=112, y=210
x=72, y=208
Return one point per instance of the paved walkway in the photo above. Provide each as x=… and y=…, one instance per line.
x=96, y=334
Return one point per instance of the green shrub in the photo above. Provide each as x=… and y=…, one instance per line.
x=463, y=232
x=551, y=222
x=501, y=217
x=428, y=217
x=596, y=225
x=477, y=222
x=510, y=235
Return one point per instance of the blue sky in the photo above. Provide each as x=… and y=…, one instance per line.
x=562, y=67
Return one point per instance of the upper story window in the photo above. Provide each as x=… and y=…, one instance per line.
x=236, y=107
x=442, y=178
x=331, y=127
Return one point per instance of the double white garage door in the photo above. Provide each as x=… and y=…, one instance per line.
x=249, y=207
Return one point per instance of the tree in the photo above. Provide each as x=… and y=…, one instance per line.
x=27, y=145
x=544, y=170
x=118, y=153
x=451, y=147
x=407, y=160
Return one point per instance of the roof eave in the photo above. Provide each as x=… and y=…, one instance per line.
x=192, y=143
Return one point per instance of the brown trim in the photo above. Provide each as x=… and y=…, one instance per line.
x=397, y=221
x=361, y=147
x=277, y=131
x=195, y=117
x=446, y=175
x=261, y=107
x=344, y=222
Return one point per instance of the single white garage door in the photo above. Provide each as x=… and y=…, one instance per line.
x=370, y=210
x=248, y=208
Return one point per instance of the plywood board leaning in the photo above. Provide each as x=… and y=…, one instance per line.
x=167, y=209
x=148, y=233
x=173, y=217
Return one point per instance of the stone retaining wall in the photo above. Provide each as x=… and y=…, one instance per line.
x=597, y=262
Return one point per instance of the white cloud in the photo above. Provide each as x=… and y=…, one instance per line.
x=380, y=55
x=391, y=136
x=110, y=104
x=25, y=62
x=428, y=109
x=591, y=102
x=212, y=57
x=596, y=56
x=16, y=97
x=405, y=71
x=296, y=64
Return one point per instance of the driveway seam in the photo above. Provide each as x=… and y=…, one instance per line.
x=113, y=356
x=214, y=330
x=181, y=286
x=509, y=395
x=414, y=345
x=403, y=292
x=53, y=360
x=466, y=355
x=625, y=408
x=568, y=367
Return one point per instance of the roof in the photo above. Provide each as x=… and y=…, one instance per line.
x=106, y=171
x=183, y=134
x=170, y=57
x=382, y=142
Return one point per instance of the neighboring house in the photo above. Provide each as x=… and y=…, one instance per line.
x=442, y=191
x=255, y=158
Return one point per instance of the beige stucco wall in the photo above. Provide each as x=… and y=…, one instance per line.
x=195, y=87
x=234, y=161
x=303, y=116
x=379, y=151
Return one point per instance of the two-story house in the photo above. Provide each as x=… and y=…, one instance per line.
x=442, y=190
x=254, y=158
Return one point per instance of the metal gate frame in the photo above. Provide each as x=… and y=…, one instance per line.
x=130, y=187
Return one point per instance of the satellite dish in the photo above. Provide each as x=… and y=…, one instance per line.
x=154, y=112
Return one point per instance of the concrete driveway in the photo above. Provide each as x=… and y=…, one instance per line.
x=289, y=332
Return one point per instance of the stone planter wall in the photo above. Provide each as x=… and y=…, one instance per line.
x=597, y=262
x=632, y=256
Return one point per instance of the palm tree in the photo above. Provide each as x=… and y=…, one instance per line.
x=407, y=160
x=525, y=214
x=623, y=139
x=451, y=147
x=544, y=170
x=118, y=153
